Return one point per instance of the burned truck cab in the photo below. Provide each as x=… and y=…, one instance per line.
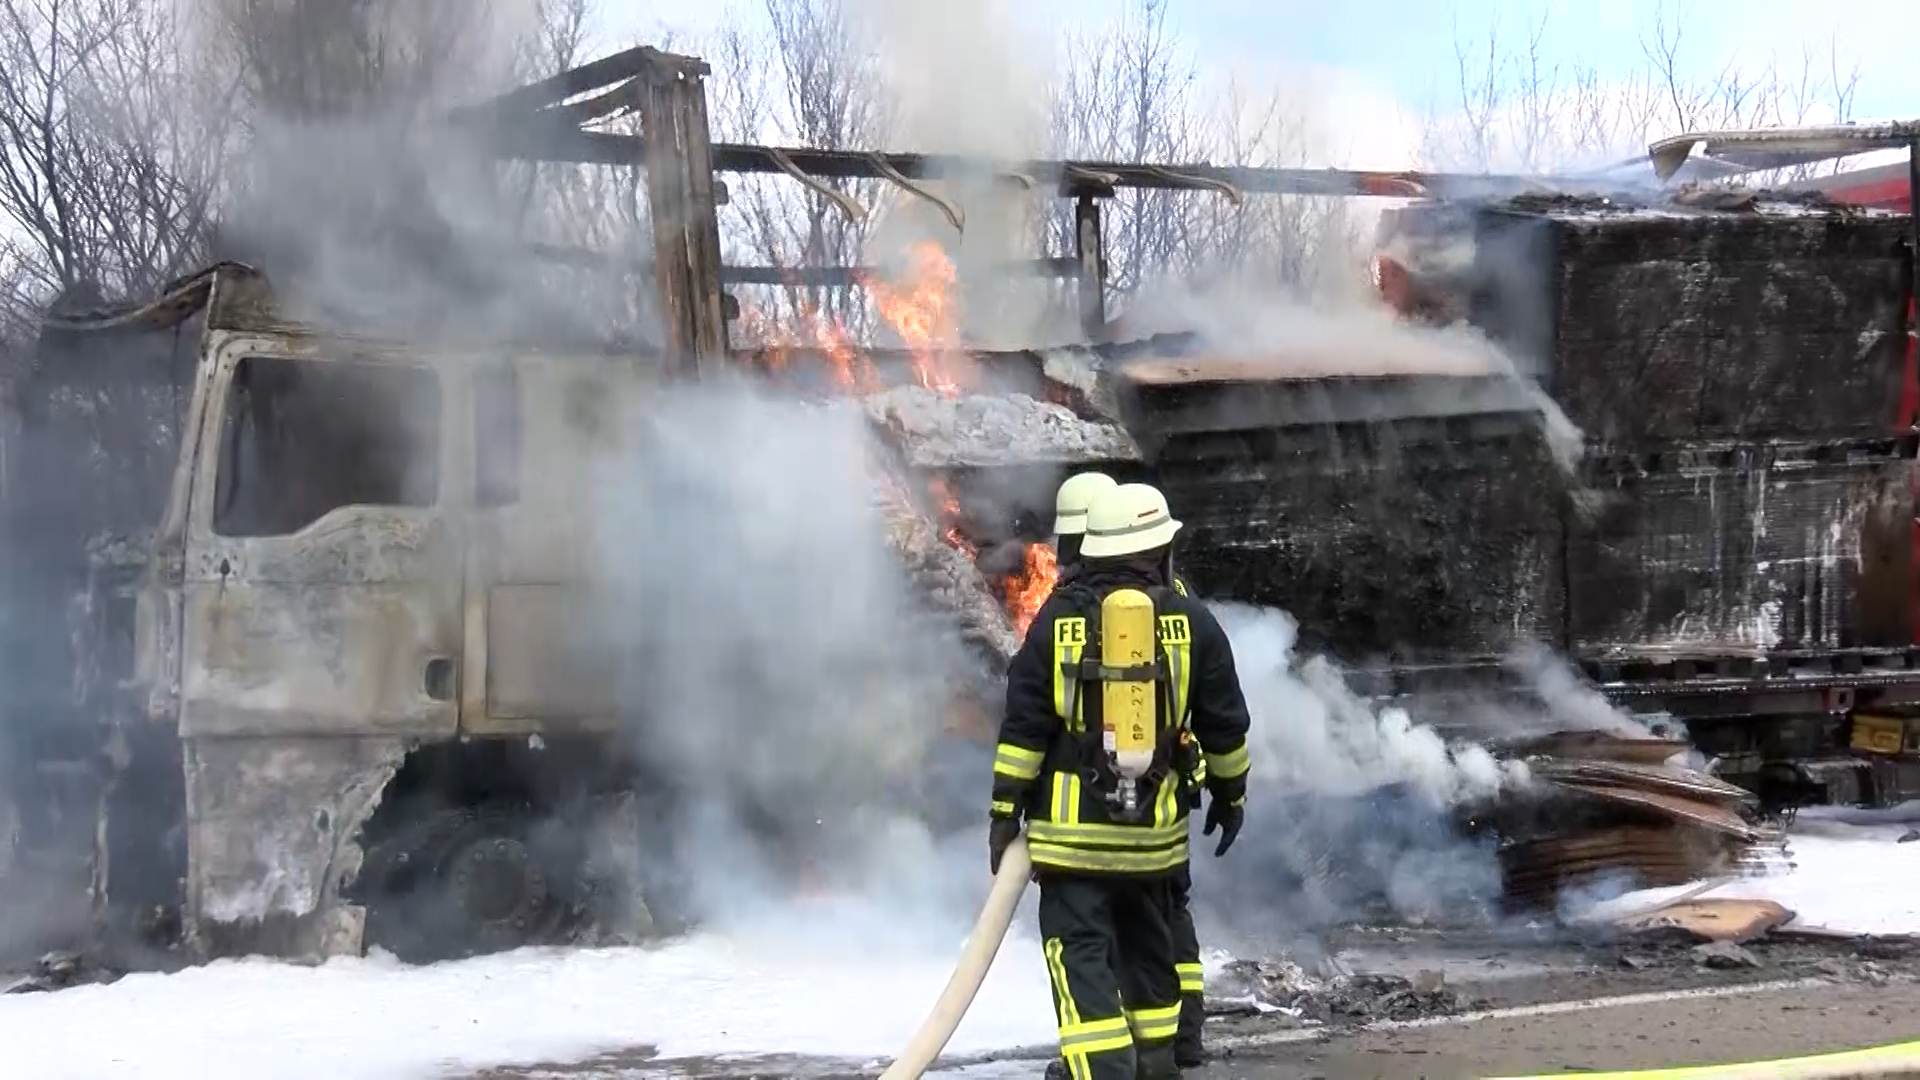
x=363, y=679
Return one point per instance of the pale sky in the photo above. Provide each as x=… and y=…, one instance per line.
x=1396, y=57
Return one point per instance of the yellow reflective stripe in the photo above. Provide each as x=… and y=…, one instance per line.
x=1095, y=1037
x=1179, y=586
x=1067, y=1012
x=1150, y=1025
x=1844, y=1063
x=1229, y=765
x=1003, y=807
x=1064, y=857
x=1176, y=637
x=1064, y=805
x=1104, y=835
x=1017, y=762
x=1069, y=638
x=1167, y=803
x=1200, y=770
x=1193, y=978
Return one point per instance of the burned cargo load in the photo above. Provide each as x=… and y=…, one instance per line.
x=1408, y=513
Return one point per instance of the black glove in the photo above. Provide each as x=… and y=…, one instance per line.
x=1000, y=836
x=1226, y=817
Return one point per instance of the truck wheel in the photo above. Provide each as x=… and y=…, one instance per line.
x=468, y=881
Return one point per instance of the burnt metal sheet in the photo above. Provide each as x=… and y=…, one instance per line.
x=273, y=828
x=550, y=656
x=1782, y=147
x=266, y=659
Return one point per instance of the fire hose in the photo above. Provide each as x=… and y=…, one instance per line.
x=996, y=917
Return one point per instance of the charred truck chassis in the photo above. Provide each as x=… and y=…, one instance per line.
x=305, y=725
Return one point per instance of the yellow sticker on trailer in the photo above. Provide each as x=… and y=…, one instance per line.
x=1878, y=734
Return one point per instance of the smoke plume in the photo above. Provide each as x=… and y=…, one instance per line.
x=779, y=679
x=1348, y=806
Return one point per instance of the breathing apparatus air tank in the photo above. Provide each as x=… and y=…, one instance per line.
x=1128, y=718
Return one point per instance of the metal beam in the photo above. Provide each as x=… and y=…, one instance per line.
x=519, y=106
x=847, y=276
x=560, y=142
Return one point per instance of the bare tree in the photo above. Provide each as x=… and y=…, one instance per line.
x=1129, y=94
x=814, y=81
x=1518, y=112
x=110, y=147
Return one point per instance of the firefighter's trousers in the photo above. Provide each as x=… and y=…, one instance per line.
x=1186, y=955
x=1109, y=949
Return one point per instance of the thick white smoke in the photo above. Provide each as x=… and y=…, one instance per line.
x=1349, y=808
x=778, y=679
x=1312, y=735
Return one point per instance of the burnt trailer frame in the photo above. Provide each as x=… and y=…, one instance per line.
x=546, y=121
x=550, y=121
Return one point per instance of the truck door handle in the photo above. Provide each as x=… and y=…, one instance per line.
x=437, y=681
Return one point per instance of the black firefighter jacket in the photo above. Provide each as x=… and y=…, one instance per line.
x=1038, y=763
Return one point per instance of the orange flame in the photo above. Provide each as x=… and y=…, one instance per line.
x=949, y=504
x=1029, y=588
x=920, y=308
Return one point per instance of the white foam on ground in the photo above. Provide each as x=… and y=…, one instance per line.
x=375, y=1019
x=1847, y=878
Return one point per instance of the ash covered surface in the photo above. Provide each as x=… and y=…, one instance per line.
x=1333, y=996
x=946, y=578
x=937, y=431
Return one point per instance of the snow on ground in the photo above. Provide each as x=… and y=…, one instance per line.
x=374, y=1018
x=1846, y=877
x=824, y=979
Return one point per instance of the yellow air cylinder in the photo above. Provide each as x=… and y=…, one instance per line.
x=1127, y=708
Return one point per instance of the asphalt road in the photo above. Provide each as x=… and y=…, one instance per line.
x=1662, y=1029
x=1599, y=1037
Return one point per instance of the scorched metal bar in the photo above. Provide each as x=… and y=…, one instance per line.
x=601, y=73
x=844, y=276
x=562, y=143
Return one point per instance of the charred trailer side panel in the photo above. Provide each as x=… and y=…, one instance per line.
x=1737, y=375
x=91, y=433
x=1743, y=518
x=1656, y=327
x=1755, y=546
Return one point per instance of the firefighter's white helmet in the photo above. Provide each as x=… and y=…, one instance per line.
x=1071, y=502
x=1127, y=519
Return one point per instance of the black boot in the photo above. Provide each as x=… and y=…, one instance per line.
x=1187, y=1050
x=1156, y=1064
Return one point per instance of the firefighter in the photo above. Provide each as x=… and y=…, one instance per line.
x=1070, y=518
x=1115, y=666
x=1070, y=505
